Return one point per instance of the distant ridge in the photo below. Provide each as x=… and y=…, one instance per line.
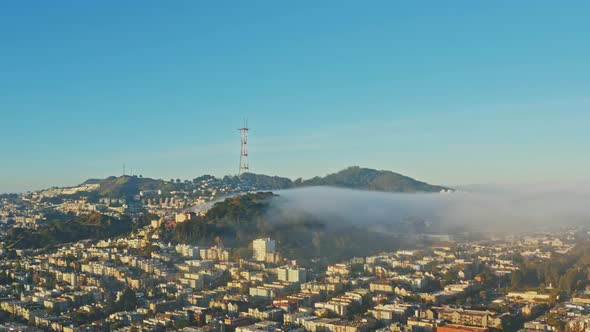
x=354, y=177
x=92, y=181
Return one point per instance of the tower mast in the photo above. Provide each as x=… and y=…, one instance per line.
x=244, y=165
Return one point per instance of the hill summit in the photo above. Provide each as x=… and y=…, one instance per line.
x=370, y=179
x=354, y=177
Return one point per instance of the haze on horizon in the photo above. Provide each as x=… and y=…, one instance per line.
x=449, y=94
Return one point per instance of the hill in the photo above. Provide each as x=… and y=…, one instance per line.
x=127, y=186
x=371, y=179
x=92, y=181
x=267, y=182
x=94, y=227
x=240, y=219
x=352, y=178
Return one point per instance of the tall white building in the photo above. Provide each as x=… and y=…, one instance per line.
x=188, y=251
x=262, y=247
x=292, y=274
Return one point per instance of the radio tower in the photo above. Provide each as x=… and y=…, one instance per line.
x=244, y=167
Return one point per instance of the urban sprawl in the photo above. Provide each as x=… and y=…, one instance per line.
x=140, y=283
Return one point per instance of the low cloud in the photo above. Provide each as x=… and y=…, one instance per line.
x=482, y=208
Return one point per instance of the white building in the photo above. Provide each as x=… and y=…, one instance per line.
x=292, y=274
x=264, y=326
x=188, y=251
x=184, y=216
x=262, y=247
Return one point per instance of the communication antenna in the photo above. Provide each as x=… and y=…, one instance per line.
x=244, y=166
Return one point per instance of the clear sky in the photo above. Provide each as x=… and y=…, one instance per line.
x=450, y=92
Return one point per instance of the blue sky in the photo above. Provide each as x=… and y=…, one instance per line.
x=454, y=92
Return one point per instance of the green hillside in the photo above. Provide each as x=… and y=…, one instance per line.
x=94, y=226
x=239, y=220
x=352, y=178
x=371, y=179
x=127, y=186
x=268, y=182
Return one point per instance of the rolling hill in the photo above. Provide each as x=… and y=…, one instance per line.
x=56, y=232
x=370, y=179
x=352, y=178
x=238, y=220
x=127, y=186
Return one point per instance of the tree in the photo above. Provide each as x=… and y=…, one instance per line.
x=572, y=280
x=127, y=301
x=4, y=316
x=487, y=276
x=450, y=276
x=483, y=294
x=516, y=281
x=180, y=324
x=554, y=319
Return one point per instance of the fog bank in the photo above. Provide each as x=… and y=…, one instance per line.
x=486, y=208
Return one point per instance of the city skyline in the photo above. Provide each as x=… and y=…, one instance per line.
x=462, y=94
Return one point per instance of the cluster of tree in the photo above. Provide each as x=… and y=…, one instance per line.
x=239, y=220
x=555, y=320
x=7, y=317
x=9, y=197
x=5, y=278
x=143, y=219
x=240, y=209
x=229, y=220
x=308, y=239
x=268, y=182
x=205, y=177
x=86, y=317
x=93, y=226
x=569, y=272
x=127, y=302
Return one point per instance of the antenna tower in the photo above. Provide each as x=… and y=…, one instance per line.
x=244, y=167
